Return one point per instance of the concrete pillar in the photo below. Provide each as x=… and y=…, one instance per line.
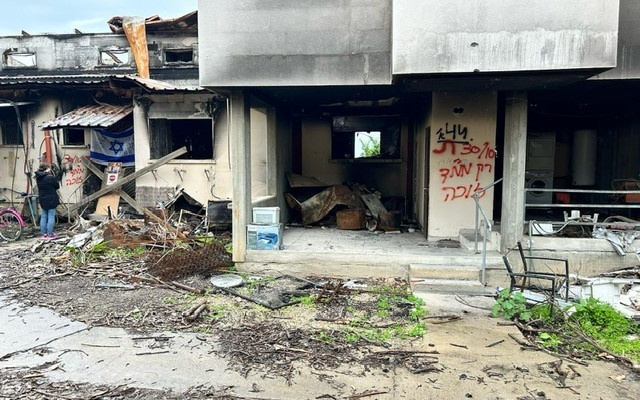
x=514, y=155
x=240, y=148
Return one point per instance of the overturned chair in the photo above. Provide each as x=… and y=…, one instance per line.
x=530, y=279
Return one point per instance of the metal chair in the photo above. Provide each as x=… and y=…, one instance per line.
x=561, y=278
x=523, y=280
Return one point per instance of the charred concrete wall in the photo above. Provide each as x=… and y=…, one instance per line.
x=628, y=66
x=101, y=53
x=203, y=179
x=457, y=36
x=387, y=177
x=294, y=43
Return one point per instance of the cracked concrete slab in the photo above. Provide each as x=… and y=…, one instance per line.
x=23, y=328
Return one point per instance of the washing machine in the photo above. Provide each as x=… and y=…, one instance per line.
x=538, y=179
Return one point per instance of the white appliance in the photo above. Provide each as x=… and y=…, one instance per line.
x=541, y=151
x=538, y=179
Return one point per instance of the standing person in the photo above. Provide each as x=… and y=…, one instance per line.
x=48, y=198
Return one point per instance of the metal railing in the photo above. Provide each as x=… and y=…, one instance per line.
x=486, y=227
x=569, y=205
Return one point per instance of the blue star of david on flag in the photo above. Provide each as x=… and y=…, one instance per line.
x=116, y=146
x=109, y=147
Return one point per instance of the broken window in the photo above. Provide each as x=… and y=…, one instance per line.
x=74, y=137
x=114, y=56
x=365, y=137
x=176, y=56
x=168, y=135
x=16, y=58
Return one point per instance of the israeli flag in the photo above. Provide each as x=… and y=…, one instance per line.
x=109, y=147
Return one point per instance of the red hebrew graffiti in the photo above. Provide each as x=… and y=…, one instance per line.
x=461, y=176
x=73, y=169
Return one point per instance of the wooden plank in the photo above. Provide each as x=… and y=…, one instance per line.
x=108, y=201
x=128, y=178
x=374, y=204
x=87, y=163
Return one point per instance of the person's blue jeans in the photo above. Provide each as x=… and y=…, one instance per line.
x=47, y=221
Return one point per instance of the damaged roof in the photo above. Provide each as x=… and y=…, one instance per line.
x=155, y=23
x=148, y=84
x=97, y=116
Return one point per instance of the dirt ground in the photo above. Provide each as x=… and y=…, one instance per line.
x=462, y=354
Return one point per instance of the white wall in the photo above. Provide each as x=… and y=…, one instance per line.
x=202, y=179
x=432, y=36
x=74, y=173
x=459, y=169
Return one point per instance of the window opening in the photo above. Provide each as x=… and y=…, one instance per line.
x=365, y=137
x=114, y=56
x=9, y=129
x=366, y=144
x=14, y=58
x=178, y=56
x=168, y=135
x=74, y=137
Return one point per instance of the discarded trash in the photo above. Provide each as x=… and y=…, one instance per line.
x=226, y=280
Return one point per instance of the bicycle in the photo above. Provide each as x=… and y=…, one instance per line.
x=11, y=224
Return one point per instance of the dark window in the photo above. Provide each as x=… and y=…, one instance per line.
x=74, y=137
x=178, y=55
x=168, y=135
x=365, y=137
x=9, y=129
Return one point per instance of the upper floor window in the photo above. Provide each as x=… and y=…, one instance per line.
x=178, y=56
x=115, y=56
x=19, y=58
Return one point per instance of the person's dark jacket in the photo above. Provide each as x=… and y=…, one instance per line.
x=47, y=190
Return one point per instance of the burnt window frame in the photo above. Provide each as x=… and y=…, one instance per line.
x=343, y=136
x=168, y=50
x=67, y=132
x=164, y=141
x=16, y=51
x=111, y=49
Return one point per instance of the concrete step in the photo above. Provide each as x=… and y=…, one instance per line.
x=445, y=271
x=450, y=286
x=468, y=241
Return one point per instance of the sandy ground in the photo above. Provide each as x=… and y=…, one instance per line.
x=477, y=356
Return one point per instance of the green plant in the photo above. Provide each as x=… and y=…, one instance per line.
x=370, y=146
x=325, y=337
x=309, y=301
x=600, y=320
x=510, y=305
x=549, y=340
x=418, y=311
x=351, y=337
x=383, y=306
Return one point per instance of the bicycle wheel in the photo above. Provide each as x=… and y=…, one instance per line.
x=10, y=226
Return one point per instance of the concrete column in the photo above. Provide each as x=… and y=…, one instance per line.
x=240, y=148
x=514, y=155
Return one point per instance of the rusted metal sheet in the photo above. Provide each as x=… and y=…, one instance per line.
x=148, y=84
x=155, y=23
x=351, y=219
x=134, y=30
x=101, y=116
